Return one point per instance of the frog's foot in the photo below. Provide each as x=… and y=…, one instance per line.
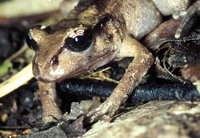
x=195, y=8
x=51, y=115
x=104, y=111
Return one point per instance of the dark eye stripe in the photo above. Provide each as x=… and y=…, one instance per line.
x=54, y=60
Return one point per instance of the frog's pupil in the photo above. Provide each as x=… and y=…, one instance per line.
x=79, y=43
x=79, y=40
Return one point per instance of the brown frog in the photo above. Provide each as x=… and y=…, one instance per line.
x=94, y=33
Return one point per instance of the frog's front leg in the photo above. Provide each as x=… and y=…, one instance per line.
x=49, y=101
x=142, y=61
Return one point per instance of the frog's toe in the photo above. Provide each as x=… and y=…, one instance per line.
x=190, y=12
x=51, y=116
x=105, y=111
x=49, y=119
x=96, y=113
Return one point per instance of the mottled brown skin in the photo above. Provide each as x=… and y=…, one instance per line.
x=169, y=7
x=115, y=25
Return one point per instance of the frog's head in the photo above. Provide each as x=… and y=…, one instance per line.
x=69, y=48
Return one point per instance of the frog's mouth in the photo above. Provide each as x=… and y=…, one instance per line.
x=92, y=65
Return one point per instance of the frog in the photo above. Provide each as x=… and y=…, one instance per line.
x=94, y=33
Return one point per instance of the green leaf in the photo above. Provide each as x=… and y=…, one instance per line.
x=4, y=68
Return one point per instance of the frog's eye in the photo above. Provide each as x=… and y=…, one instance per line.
x=31, y=42
x=79, y=40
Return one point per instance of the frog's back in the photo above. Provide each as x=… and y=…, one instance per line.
x=140, y=16
x=137, y=17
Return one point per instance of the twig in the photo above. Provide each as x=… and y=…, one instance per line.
x=16, y=81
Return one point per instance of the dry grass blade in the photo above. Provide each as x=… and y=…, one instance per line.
x=16, y=81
